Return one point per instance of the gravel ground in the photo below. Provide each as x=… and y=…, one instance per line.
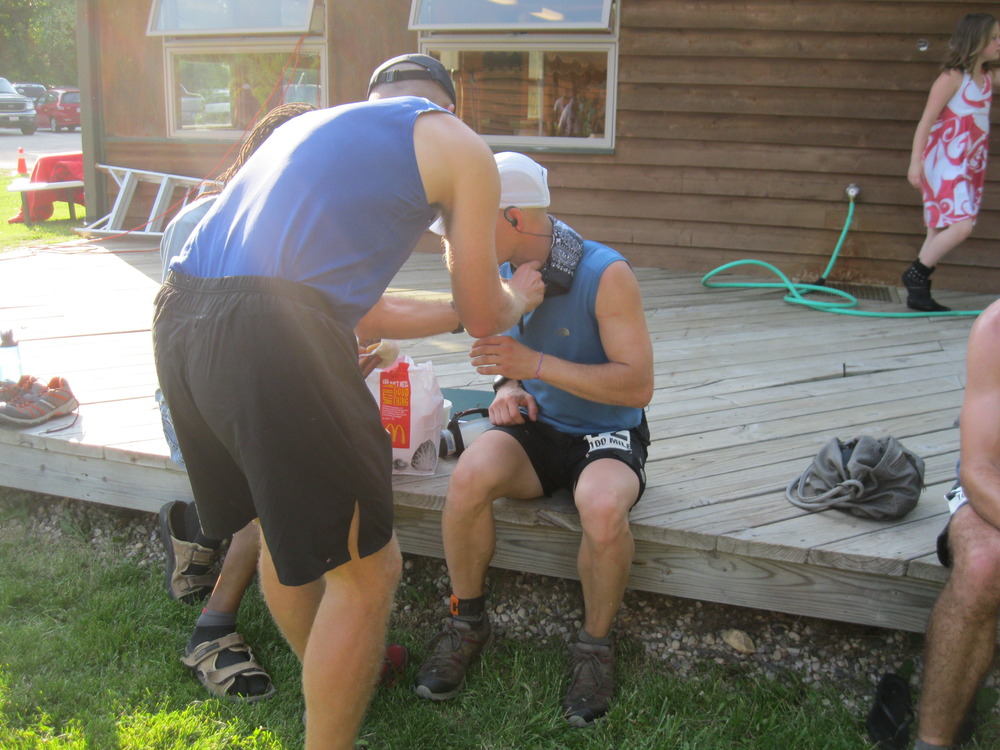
x=683, y=633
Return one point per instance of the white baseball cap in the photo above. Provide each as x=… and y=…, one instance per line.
x=523, y=183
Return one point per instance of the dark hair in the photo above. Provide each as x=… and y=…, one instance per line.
x=970, y=37
x=261, y=131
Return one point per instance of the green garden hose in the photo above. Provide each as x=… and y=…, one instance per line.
x=844, y=306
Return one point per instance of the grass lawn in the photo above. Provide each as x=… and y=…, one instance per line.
x=89, y=648
x=58, y=228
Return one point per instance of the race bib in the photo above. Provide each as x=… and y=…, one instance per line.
x=608, y=441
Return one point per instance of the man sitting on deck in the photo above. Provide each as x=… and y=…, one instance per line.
x=961, y=636
x=572, y=380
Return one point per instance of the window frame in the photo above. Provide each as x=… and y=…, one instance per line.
x=175, y=48
x=607, y=19
x=312, y=20
x=542, y=43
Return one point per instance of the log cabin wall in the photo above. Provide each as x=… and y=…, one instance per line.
x=132, y=78
x=739, y=126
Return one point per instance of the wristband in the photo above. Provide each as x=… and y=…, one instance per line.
x=498, y=382
x=538, y=370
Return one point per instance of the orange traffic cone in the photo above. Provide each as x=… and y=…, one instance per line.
x=22, y=166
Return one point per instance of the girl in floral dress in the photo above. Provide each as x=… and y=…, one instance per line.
x=948, y=160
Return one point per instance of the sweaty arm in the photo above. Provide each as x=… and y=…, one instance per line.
x=395, y=317
x=980, y=422
x=941, y=92
x=460, y=175
x=625, y=380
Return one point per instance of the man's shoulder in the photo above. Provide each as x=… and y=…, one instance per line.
x=986, y=329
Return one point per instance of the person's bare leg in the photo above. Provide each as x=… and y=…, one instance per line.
x=238, y=570
x=339, y=635
x=606, y=491
x=960, y=637
x=939, y=242
x=292, y=607
x=494, y=466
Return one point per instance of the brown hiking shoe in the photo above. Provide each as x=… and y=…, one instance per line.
x=591, y=683
x=442, y=674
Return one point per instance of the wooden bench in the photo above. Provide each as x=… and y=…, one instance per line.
x=24, y=186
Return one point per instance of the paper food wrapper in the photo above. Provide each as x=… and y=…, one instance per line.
x=410, y=404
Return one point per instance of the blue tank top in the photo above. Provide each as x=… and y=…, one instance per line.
x=332, y=199
x=565, y=326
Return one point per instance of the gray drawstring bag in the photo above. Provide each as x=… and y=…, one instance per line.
x=869, y=477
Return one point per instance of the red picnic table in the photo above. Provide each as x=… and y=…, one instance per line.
x=54, y=177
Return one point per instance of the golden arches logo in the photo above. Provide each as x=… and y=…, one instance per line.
x=398, y=434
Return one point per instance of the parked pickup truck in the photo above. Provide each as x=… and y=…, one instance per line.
x=16, y=111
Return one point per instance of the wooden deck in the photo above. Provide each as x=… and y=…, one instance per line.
x=748, y=388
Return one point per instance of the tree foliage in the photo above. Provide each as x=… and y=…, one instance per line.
x=38, y=41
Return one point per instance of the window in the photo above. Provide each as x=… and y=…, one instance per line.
x=552, y=98
x=515, y=15
x=233, y=17
x=229, y=61
x=219, y=92
x=523, y=89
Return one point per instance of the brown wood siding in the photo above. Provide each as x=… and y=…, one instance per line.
x=132, y=77
x=738, y=128
x=740, y=125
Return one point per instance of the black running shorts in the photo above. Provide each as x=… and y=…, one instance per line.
x=273, y=418
x=558, y=458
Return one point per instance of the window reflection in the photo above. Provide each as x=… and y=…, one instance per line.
x=530, y=92
x=220, y=91
x=222, y=16
x=511, y=14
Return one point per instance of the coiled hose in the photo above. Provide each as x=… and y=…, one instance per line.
x=796, y=290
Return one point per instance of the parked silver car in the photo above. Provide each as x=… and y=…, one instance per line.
x=16, y=110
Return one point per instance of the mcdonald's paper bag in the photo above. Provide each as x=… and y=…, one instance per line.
x=410, y=402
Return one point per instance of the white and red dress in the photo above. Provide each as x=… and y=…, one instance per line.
x=955, y=156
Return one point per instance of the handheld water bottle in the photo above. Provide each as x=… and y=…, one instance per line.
x=10, y=357
x=462, y=429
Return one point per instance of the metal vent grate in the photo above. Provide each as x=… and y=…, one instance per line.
x=869, y=292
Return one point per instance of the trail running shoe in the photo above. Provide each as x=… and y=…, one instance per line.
x=9, y=390
x=442, y=674
x=34, y=407
x=591, y=683
x=394, y=663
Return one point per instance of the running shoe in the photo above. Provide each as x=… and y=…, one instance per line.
x=9, y=390
x=34, y=407
x=591, y=683
x=394, y=664
x=442, y=674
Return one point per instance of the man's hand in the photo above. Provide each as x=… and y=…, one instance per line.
x=506, y=407
x=503, y=355
x=527, y=285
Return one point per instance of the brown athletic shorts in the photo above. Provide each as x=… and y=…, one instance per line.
x=273, y=418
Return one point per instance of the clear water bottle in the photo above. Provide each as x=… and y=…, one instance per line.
x=10, y=357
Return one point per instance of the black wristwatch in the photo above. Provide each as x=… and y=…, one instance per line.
x=498, y=382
